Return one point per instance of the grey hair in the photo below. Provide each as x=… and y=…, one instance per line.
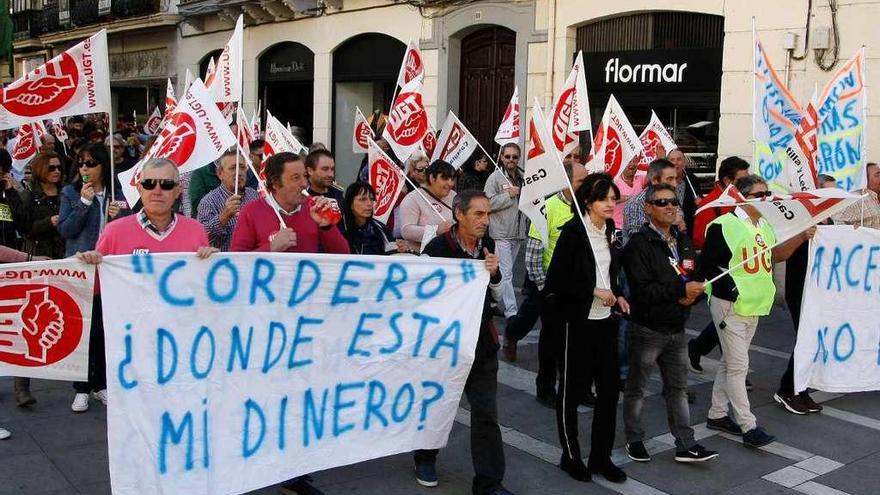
x=162, y=163
x=656, y=168
x=230, y=152
x=415, y=158
x=462, y=201
x=747, y=183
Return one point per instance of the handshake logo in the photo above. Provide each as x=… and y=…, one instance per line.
x=33, y=327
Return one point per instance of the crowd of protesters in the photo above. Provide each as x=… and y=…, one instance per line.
x=613, y=288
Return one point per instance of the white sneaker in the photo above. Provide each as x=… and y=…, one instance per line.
x=4, y=434
x=80, y=403
x=101, y=395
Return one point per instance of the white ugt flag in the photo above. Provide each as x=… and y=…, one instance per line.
x=195, y=134
x=571, y=110
x=456, y=143
x=74, y=83
x=387, y=180
x=278, y=139
x=362, y=133
x=544, y=175
x=508, y=130
x=224, y=83
x=616, y=141
x=652, y=135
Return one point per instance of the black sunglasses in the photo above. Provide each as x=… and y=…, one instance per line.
x=760, y=194
x=164, y=184
x=661, y=202
x=54, y=168
x=88, y=163
x=511, y=157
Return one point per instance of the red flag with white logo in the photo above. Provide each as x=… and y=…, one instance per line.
x=544, y=174
x=456, y=143
x=75, y=82
x=153, y=122
x=571, y=110
x=195, y=134
x=27, y=144
x=362, y=133
x=653, y=136
x=616, y=140
x=386, y=179
x=407, y=122
x=508, y=131
x=413, y=66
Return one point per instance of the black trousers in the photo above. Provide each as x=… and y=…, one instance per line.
x=487, y=450
x=707, y=340
x=590, y=349
x=528, y=313
x=549, y=350
x=97, y=359
x=793, y=299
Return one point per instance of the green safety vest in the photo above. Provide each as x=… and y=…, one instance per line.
x=558, y=214
x=754, y=280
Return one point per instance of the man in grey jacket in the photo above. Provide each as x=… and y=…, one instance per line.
x=507, y=225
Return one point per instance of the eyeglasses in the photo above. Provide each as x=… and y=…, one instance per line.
x=760, y=194
x=662, y=202
x=420, y=169
x=511, y=157
x=88, y=163
x=54, y=168
x=164, y=184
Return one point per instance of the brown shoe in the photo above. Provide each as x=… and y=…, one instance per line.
x=23, y=398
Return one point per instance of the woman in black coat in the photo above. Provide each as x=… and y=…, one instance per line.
x=582, y=285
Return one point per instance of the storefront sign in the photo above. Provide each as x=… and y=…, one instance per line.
x=666, y=70
x=142, y=64
x=289, y=62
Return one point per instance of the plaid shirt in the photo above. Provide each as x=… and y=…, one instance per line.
x=535, y=262
x=853, y=214
x=634, y=215
x=209, y=214
x=148, y=226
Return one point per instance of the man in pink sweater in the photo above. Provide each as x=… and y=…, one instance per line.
x=305, y=230
x=156, y=229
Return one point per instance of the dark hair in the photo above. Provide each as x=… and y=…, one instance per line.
x=656, y=168
x=468, y=167
x=314, y=156
x=730, y=166
x=653, y=189
x=823, y=178
x=257, y=146
x=99, y=153
x=275, y=167
x=462, y=202
x=441, y=169
x=747, y=183
x=354, y=190
x=510, y=145
x=594, y=188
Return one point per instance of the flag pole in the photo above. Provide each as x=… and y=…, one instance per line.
x=238, y=113
x=489, y=157
x=754, y=94
x=112, y=168
x=262, y=185
x=418, y=189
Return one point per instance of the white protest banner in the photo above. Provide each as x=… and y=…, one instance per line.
x=195, y=134
x=841, y=134
x=27, y=144
x=456, y=142
x=45, y=319
x=508, y=130
x=837, y=348
x=616, y=141
x=387, y=181
x=153, y=122
x=407, y=121
x=75, y=82
x=544, y=174
x=571, y=110
x=653, y=137
x=776, y=117
x=362, y=133
x=247, y=369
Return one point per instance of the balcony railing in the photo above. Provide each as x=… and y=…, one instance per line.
x=83, y=12
x=45, y=21
x=134, y=8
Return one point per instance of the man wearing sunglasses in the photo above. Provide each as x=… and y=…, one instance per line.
x=659, y=262
x=743, y=242
x=660, y=171
x=507, y=226
x=156, y=228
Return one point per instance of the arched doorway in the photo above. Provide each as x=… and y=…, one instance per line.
x=287, y=85
x=358, y=83
x=203, y=64
x=488, y=63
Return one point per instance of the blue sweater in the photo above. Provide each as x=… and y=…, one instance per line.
x=80, y=224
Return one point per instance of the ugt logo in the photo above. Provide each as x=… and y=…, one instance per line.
x=386, y=182
x=408, y=121
x=43, y=92
x=39, y=325
x=362, y=134
x=561, y=119
x=178, y=139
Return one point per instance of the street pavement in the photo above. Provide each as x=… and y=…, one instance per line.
x=837, y=452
